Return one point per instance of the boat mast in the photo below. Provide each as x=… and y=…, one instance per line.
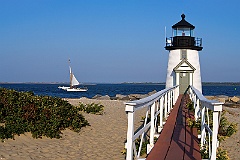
x=71, y=75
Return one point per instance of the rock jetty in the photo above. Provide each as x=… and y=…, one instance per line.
x=130, y=97
x=228, y=101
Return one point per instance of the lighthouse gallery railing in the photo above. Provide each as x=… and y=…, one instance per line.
x=202, y=108
x=184, y=41
x=158, y=107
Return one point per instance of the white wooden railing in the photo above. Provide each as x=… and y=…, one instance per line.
x=157, y=106
x=202, y=107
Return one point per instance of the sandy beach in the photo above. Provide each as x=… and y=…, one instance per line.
x=104, y=139
x=232, y=144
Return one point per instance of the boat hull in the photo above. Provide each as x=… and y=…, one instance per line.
x=63, y=87
x=77, y=89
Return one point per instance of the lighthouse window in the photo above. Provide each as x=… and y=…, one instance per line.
x=182, y=32
x=183, y=54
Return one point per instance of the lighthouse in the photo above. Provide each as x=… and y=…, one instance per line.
x=183, y=62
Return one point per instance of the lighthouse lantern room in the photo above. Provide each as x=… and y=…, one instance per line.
x=183, y=63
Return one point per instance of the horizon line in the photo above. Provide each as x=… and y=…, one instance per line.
x=103, y=82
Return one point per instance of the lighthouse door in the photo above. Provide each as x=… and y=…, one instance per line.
x=184, y=81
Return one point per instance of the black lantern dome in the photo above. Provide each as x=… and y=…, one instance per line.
x=183, y=37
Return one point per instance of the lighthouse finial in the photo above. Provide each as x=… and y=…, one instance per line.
x=183, y=16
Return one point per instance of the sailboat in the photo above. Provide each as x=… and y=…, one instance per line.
x=73, y=83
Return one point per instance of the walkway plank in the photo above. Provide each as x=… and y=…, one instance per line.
x=161, y=147
x=177, y=140
x=192, y=140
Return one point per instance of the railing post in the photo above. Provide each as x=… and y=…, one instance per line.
x=174, y=96
x=169, y=100
x=130, y=133
x=152, y=128
x=202, y=125
x=197, y=109
x=177, y=89
x=161, y=113
x=214, y=134
x=165, y=106
x=191, y=94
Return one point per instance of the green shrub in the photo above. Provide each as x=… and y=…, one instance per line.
x=190, y=122
x=41, y=115
x=222, y=154
x=194, y=124
x=231, y=129
x=144, y=146
x=204, y=152
x=190, y=106
x=226, y=129
x=92, y=108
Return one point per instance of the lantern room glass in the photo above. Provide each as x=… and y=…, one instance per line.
x=183, y=32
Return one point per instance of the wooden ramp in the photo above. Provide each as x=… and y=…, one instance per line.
x=177, y=140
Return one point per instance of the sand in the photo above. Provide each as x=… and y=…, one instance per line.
x=104, y=139
x=232, y=144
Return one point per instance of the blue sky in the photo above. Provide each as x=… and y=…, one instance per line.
x=112, y=40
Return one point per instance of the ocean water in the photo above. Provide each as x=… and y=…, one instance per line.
x=113, y=89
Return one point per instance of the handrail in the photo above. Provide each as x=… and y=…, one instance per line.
x=201, y=106
x=208, y=103
x=158, y=106
x=138, y=104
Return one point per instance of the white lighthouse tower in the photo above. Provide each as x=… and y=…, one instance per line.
x=183, y=63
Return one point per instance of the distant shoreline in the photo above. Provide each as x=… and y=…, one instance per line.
x=150, y=83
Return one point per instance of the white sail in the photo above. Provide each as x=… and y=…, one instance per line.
x=74, y=80
x=70, y=69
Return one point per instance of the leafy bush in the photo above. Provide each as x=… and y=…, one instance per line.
x=232, y=128
x=92, y=108
x=144, y=146
x=41, y=115
x=226, y=129
x=194, y=124
x=190, y=106
x=204, y=152
x=222, y=154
